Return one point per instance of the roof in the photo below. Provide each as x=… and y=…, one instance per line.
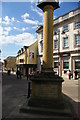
x=10, y=57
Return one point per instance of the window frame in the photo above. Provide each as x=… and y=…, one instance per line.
x=67, y=61
x=66, y=26
x=76, y=26
x=55, y=48
x=68, y=42
x=78, y=44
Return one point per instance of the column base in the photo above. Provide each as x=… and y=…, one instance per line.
x=47, y=97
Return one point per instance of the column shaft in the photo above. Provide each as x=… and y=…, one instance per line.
x=48, y=37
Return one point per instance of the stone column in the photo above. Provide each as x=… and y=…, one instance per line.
x=48, y=37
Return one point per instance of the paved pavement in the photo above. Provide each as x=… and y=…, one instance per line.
x=14, y=94
x=71, y=88
x=14, y=91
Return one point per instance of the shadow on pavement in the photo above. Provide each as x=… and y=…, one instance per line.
x=74, y=106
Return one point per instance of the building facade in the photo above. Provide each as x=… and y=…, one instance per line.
x=26, y=60
x=10, y=63
x=66, y=44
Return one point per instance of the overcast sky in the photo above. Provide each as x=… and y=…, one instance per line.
x=19, y=22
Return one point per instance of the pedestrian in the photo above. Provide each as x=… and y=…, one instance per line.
x=20, y=74
x=69, y=74
x=76, y=73
x=9, y=72
x=17, y=73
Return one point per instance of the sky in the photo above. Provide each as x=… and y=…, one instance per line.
x=19, y=21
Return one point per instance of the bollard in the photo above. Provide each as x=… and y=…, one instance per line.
x=28, y=90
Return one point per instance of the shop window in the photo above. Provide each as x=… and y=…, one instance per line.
x=65, y=64
x=77, y=64
x=77, y=39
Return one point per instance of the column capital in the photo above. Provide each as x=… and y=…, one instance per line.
x=48, y=7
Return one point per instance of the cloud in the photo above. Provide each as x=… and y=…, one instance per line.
x=37, y=11
x=7, y=20
x=34, y=27
x=15, y=28
x=0, y=20
x=24, y=29
x=1, y=30
x=26, y=15
x=54, y=16
x=20, y=39
x=28, y=21
x=20, y=29
x=13, y=19
x=18, y=21
x=5, y=31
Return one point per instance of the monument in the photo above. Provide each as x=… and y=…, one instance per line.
x=47, y=94
x=46, y=87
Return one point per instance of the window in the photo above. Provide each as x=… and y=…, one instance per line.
x=56, y=32
x=65, y=28
x=77, y=39
x=21, y=60
x=55, y=64
x=76, y=24
x=33, y=55
x=77, y=64
x=55, y=44
x=65, y=42
x=65, y=64
x=41, y=46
